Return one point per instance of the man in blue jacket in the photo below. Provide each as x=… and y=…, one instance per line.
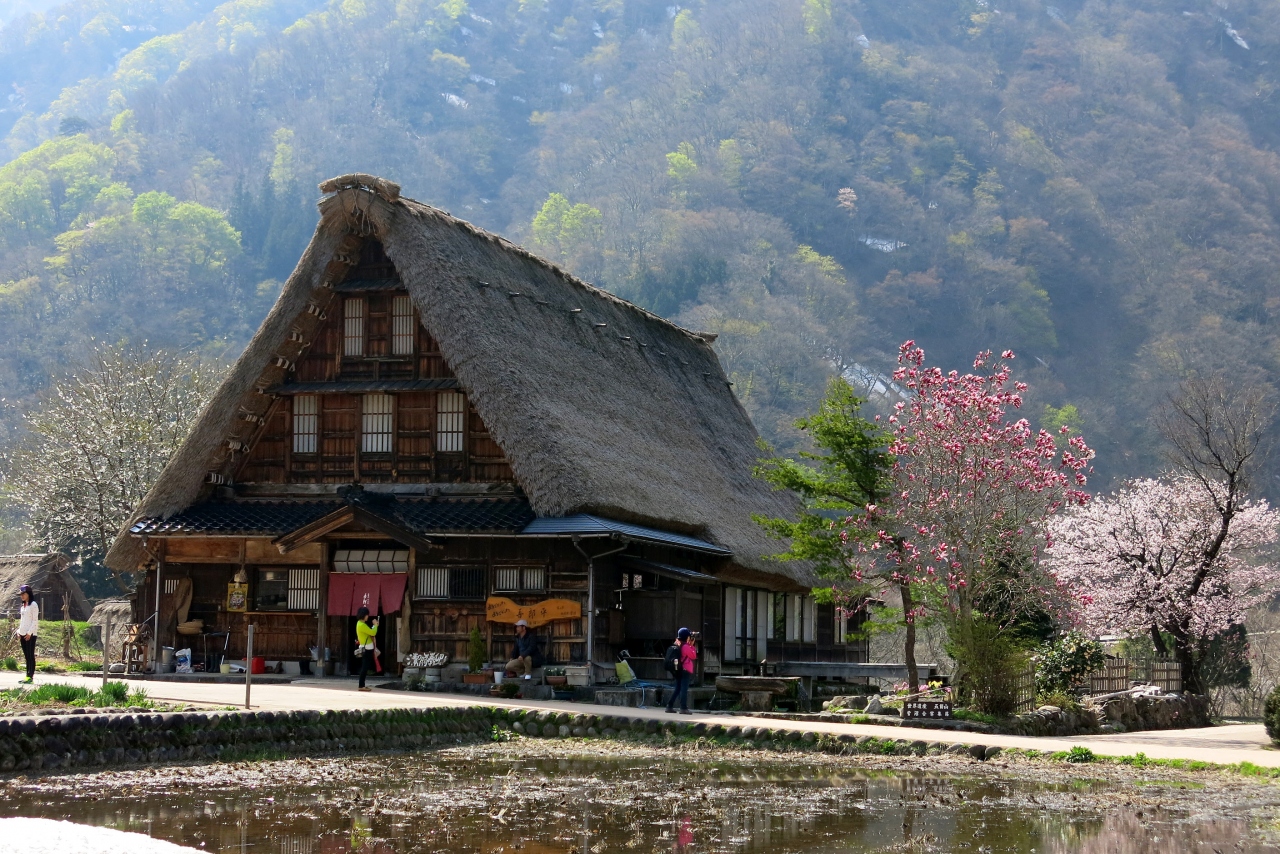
x=526, y=652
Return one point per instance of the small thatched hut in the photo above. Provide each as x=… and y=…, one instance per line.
x=56, y=589
x=438, y=424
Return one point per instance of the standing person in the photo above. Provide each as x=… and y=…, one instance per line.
x=28, y=625
x=366, y=637
x=686, y=656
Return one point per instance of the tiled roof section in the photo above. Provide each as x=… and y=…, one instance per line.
x=363, y=386
x=274, y=518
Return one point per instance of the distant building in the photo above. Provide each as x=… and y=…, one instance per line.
x=431, y=420
x=56, y=590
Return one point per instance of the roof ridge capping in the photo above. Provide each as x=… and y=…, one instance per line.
x=389, y=191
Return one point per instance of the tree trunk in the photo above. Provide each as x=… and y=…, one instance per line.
x=909, y=646
x=1184, y=653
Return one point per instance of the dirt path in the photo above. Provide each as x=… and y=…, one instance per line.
x=1224, y=744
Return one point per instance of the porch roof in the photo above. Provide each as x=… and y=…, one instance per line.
x=586, y=525
x=275, y=518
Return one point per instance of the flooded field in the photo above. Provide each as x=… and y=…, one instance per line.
x=537, y=798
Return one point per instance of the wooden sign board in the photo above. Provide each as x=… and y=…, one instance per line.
x=499, y=609
x=931, y=709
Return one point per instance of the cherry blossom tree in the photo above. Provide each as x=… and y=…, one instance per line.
x=1154, y=559
x=973, y=489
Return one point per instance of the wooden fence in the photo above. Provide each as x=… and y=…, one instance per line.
x=1118, y=674
x=1025, y=690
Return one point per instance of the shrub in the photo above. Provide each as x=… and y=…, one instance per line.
x=476, y=651
x=11, y=663
x=991, y=664
x=1065, y=662
x=1271, y=715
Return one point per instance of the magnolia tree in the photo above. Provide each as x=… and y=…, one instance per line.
x=973, y=489
x=1155, y=559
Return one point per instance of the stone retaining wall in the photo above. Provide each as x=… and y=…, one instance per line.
x=89, y=742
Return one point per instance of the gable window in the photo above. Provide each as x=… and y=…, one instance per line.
x=451, y=413
x=402, y=326
x=353, y=327
x=376, y=424
x=305, y=424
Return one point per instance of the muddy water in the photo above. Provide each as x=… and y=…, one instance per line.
x=535, y=802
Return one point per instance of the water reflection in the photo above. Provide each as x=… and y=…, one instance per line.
x=409, y=805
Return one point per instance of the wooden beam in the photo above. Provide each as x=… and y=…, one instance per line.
x=313, y=531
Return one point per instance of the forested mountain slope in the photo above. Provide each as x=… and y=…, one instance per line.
x=1092, y=184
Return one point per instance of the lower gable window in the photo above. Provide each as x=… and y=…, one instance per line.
x=377, y=424
x=305, y=424
x=451, y=414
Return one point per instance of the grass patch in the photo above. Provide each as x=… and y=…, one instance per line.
x=81, y=666
x=53, y=694
x=1077, y=754
x=975, y=717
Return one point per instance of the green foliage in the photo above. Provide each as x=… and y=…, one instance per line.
x=57, y=694
x=1066, y=662
x=477, y=651
x=10, y=663
x=847, y=471
x=975, y=716
x=1271, y=715
x=990, y=663
x=1077, y=754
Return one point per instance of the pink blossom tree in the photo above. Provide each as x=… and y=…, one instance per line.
x=973, y=489
x=1156, y=558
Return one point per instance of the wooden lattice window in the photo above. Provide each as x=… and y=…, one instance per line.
x=451, y=582
x=402, y=331
x=306, y=423
x=353, y=316
x=516, y=579
x=377, y=424
x=304, y=589
x=451, y=418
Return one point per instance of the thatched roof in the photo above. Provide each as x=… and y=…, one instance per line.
x=47, y=573
x=601, y=407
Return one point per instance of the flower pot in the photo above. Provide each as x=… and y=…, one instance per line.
x=557, y=680
x=475, y=678
x=497, y=676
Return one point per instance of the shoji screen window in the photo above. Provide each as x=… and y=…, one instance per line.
x=402, y=327
x=305, y=423
x=377, y=424
x=353, y=318
x=451, y=419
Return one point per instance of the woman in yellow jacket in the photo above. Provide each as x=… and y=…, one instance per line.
x=366, y=635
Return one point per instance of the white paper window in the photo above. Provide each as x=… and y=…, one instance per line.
x=533, y=578
x=353, y=327
x=377, y=424
x=451, y=413
x=305, y=424
x=506, y=579
x=304, y=589
x=433, y=582
x=810, y=617
x=795, y=616
x=402, y=326
x=371, y=560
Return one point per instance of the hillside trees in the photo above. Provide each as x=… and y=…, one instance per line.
x=96, y=441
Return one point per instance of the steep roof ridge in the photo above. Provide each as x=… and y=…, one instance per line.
x=361, y=183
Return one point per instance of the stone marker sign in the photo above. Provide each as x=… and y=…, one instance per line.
x=932, y=709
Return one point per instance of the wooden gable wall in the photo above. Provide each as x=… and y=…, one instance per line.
x=414, y=454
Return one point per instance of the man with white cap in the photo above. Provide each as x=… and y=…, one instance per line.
x=526, y=652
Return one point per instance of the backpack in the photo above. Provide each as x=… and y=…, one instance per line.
x=671, y=661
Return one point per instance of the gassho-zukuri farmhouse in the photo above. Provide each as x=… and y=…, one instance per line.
x=436, y=424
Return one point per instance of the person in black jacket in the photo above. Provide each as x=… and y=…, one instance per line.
x=526, y=652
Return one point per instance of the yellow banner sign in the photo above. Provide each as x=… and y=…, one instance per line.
x=499, y=609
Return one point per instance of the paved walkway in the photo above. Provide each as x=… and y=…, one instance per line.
x=1228, y=744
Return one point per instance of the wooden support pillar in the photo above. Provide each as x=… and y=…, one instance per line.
x=322, y=611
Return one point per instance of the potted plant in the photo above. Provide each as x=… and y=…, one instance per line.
x=555, y=676
x=477, y=651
